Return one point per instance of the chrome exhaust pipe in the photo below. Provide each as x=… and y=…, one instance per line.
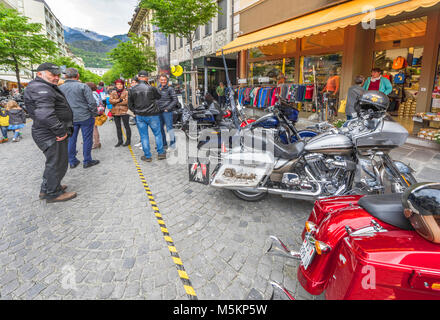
x=278, y=248
x=279, y=288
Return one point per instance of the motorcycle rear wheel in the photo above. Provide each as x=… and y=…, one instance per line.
x=249, y=196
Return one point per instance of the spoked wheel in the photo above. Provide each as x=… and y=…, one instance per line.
x=249, y=196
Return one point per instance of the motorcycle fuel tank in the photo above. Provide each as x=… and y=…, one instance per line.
x=330, y=144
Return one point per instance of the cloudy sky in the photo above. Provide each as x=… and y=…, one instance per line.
x=107, y=17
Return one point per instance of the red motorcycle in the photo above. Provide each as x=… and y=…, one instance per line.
x=374, y=247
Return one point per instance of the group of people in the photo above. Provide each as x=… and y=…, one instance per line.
x=12, y=118
x=60, y=112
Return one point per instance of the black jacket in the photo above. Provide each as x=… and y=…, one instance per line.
x=143, y=100
x=16, y=116
x=49, y=109
x=168, y=101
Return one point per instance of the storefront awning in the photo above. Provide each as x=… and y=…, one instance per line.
x=14, y=79
x=340, y=16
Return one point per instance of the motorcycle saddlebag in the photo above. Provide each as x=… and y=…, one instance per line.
x=393, y=265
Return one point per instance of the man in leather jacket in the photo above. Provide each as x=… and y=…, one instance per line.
x=143, y=102
x=52, y=125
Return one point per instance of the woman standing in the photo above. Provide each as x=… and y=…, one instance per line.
x=101, y=109
x=119, y=100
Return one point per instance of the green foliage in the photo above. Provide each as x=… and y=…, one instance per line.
x=112, y=75
x=181, y=17
x=21, y=45
x=85, y=75
x=339, y=123
x=133, y=56
x=92, y=59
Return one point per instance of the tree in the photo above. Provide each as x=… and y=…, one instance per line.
x=133, y=56
x=113, y=74
x=84, y=74
x=182, y=18
x=21, y=45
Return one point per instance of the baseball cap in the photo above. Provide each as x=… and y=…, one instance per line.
x=53, y=68
x=143, y=73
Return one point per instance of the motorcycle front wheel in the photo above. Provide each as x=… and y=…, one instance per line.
x=249, y=196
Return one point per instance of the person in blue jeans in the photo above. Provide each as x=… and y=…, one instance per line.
x=167, y=103
x=143, y=102
x=84, y=108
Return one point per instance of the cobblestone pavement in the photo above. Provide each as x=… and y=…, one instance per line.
x=109, y=242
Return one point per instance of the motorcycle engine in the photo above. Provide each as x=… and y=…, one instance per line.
x=329, y=171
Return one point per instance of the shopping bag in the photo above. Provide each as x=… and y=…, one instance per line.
x=342, y=105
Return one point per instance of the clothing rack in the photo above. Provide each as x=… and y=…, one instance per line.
x=264, y=96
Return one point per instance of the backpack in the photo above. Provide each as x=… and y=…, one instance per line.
x=399, y=63
x=399, y=78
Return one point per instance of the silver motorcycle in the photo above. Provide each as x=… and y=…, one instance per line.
x=350, y=160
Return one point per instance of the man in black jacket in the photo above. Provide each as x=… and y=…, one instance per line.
x=142, y=101
x=52, y=125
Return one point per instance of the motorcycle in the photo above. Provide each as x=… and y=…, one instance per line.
x=353, y=159
x=363, y=247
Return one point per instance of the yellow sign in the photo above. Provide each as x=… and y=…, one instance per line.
x=176, y=71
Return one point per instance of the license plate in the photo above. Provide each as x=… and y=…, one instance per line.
x=307, y=253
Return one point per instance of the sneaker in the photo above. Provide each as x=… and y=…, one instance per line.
x=15, y=140
x=138, y=144
x=91, y=164
x=126, y=144
x=140, y=148
x=144, y=158
x=118, y=144
x=4, y=140
x=161, y=156
x=73, y=166
x=63, y=197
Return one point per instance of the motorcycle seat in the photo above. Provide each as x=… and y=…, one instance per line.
x=387, y=208
x=288, y=151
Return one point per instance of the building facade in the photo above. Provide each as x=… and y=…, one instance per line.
x=98, y=71
x=140, y=25
x=39, y=12
x=285, y=41
x=209, y=39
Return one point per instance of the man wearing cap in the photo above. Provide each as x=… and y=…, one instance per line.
x=85, y=109
x=143, y=102
x=52, y=125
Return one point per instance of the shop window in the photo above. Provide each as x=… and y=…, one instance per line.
x=325, y=66
x=436, y=92
x=403, y=67
x=407, y=29
x=278, y=49
x=270, y=72
x=323, y=40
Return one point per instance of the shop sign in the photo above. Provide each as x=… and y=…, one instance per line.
x=263, y=79
x=242, y=81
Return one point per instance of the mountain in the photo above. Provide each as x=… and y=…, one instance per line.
x=75, y=34
x=91, y=46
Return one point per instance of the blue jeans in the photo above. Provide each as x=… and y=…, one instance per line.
x=86, y=128
x=143, y=122
x=5, y=132
x=166, y=120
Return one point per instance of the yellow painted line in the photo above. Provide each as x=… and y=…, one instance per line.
x=189, y=290
x=173, y=250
